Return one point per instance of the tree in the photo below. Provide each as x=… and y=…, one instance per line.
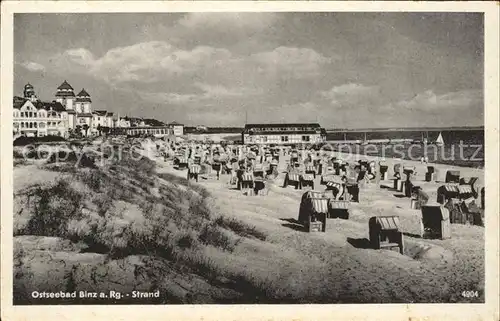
x=86, y=129
x=105, y=129
x=78, y=130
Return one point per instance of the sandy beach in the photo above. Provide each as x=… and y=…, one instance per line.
x=452, y=263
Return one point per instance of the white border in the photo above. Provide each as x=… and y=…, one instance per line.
x=487, y=311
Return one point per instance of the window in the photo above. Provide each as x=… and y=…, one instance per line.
x=22, y=114
x=264, y=139
x=306, y=138
x=284, y=138
x=35, y=125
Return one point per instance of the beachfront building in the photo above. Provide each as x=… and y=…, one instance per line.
x=283, y=134
x=81, y=118
x=79, y=108
x=122, y=122
x=156, y=131
x=177, y=128
x=101, y=119
x=68, y=113
x=35, y=118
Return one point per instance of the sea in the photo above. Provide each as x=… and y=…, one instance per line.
x=462, y=147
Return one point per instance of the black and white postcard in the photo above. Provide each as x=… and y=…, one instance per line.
x=250, y=160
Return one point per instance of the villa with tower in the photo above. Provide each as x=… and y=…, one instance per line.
x=67, y=113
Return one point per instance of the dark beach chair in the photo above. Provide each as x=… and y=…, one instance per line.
x=445, y=192
x=419, y=198
x=307, y=180
x=313, y=211
x=432, y=174
x=383, y=170
x=452, y=177
x=338, y=209
x=384, y=233
x=193, y=171
x=435, y=222
x=470, y=181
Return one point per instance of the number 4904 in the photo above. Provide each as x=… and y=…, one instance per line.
x=470, y=294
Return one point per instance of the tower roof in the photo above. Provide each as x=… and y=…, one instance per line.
x=83, y=93
x=28, y=86
x=65, y=94
x=65, y=85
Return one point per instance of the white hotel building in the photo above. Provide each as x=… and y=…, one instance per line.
x=68, y=112
x=283, y=134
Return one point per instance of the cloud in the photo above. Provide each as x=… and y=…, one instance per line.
x=143, y=62
x=228, y=21
x=299, y=62
x=349, y=91
x=299, y=112
x=156, y=60
x=169, y=98
x=218, y=91
x=429, y=101
x=160, y=72
x=33, y=66
x=209, y=92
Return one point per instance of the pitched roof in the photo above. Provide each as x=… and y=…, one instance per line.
x=65, y=94
x=19, y=102
x=284, y=125
x=83, y=93
x=100, y=112
x=48, y=105
x=176, y=123
x=85, y=115
x=65, y=85
x=83, y=96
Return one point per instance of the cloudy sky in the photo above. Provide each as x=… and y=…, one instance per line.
x=349, y=70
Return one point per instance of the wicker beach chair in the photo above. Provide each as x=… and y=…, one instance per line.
x=246, y=181
x=452, y=177
x=310, y=169
x=292, y=178
x=432, y=174
x=307, y=180
x=193, y=171
x=445, y=192
x=338, y=209
x=419, y=198
x=470, y=181
x=435, y=222
x=338, y=189
x=313, y=211
x=384, y=233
